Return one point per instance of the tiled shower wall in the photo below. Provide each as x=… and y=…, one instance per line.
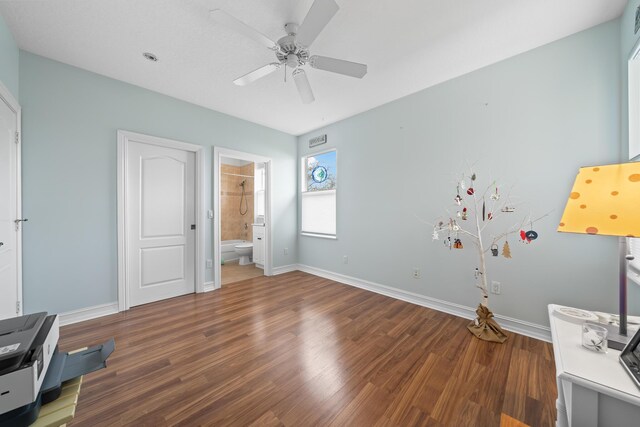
x=233, y=224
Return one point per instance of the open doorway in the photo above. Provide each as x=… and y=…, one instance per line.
x=242, y=225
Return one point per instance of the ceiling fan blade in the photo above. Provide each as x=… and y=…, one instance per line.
x=302, y=83
x=339, y=66
x=317, y=18
x=256, y=74
x=229, y=21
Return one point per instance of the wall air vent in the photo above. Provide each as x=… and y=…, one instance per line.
x=318, y=140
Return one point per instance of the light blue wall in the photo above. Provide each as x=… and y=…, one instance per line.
x=530, y=121
x=70, y=119
x=9, y=54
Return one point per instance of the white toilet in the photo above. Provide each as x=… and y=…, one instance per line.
x=245, y=250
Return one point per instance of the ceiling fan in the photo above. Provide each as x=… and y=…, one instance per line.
x=292, y=50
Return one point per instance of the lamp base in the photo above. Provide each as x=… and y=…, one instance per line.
x=614, y=339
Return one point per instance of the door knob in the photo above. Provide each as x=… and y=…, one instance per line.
x=18, y=221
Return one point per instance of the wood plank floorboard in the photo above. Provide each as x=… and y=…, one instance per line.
x=300, y=350
x=232, y=272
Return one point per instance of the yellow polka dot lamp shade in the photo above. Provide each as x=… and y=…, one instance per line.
x=604, y=200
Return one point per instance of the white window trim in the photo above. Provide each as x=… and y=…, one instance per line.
x=303, y=186
x=322, y=236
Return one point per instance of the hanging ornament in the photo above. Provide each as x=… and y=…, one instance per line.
x=457, y=243
x=508, y=209
x=458, y=214
x=473, y=177
x=494, y=249
x=458, y=199
x=489, y=216
x=531, y=235
x=470, y=191
x=464, y=214
x=447, y=242
x=495, y=196
x=506, y=250
x=523, y=237
x=483, y=210
x=477, y=273
x=435, y=235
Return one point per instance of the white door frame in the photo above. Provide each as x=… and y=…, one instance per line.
x=124, y=302
x=12, y=103
x=219, y=152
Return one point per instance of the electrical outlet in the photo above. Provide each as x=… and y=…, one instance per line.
x=496, y=288
x=345, y=259
x=209, y=263
x=416, y=273
x=285, y=251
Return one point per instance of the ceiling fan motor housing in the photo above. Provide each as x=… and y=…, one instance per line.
x=288, y=47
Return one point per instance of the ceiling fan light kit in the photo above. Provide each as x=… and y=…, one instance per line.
x=292, y=50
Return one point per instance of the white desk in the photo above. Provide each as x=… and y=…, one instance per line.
x=593, y=388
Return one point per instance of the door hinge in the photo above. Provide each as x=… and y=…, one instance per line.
x=17, y=307
x=17, y=138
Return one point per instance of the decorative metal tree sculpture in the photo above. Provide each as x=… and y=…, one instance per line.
x=475, y=214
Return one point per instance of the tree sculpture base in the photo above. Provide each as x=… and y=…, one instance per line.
x=485, y=328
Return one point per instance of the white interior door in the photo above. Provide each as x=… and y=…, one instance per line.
x=9, y=286
x=161, y=222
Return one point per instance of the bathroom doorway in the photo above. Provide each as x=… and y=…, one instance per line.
x=242, y=244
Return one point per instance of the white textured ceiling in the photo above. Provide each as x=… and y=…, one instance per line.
x=408, y=45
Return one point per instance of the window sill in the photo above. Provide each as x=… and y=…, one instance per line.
x=322, y=236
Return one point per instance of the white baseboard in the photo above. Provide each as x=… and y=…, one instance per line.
x=514, y=325
x=284, y=269
x=88, y=313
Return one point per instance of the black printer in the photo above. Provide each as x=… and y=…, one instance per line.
x=32, y=369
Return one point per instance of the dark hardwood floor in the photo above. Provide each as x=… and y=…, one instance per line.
x=299, y=350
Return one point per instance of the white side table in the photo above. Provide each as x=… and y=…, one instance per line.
x=593, y=388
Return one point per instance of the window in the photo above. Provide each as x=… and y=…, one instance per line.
x=319, y=182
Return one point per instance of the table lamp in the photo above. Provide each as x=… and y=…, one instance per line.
x=605, y=200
